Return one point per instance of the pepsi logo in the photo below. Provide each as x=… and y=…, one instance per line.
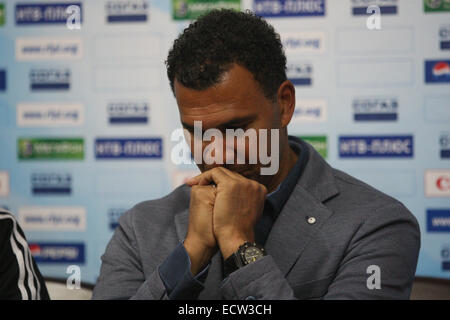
x=441, y=68
x=443, y=183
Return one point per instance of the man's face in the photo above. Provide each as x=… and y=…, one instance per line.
x=236, y=102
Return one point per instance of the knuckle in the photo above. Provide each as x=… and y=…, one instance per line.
x=216, y=169
x=254, y=185
x=204, y=194
x=233, y=184
x=263, y=189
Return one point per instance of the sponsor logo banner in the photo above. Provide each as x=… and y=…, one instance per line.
x=44, y=13
x=319, y=143
x=436, y=5
x=4, y=184
x=376, y=146
x=310, y=110
x=359, y=7
x=130, y=11
x=444, y=37
x=438, y=220
x=444, y=143
x=128, y=148
x=289, y=8
x=128, y=112
x=50, y=148
x=58, y=252
x=113, y=217
x=437, y=71
x=46, y=218
x=51, y=184
x=48, y=48
x=2, y=80
x=192, y=9
x=300, y=74
x=445, y=255
x=2, y=14
x=49, y=114
x=304, y=42
x=437, y=183
x=375, y=109
x=49, y=79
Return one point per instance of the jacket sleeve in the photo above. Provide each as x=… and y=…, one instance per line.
x=19, y=275
x=121, y=274
x=176, y=275
x=388, y=239
x=260, y=280
x=381, y=260
x=122, y=277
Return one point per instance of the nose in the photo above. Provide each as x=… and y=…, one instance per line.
x=216, y=152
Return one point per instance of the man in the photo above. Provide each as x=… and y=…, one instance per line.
x=20, y=278
x=307, y=231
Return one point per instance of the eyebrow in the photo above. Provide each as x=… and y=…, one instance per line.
x=231, y=123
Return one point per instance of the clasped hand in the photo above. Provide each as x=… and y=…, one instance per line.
x=224, y=208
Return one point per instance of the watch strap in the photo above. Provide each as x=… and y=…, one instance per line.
x=236, y=261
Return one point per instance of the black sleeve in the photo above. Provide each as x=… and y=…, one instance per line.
x=19, y=275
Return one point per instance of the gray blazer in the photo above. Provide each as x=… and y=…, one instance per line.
x=355, y=227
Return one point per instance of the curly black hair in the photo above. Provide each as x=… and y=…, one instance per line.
x=209, y=46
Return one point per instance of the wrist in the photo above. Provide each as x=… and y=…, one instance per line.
x=199, y=255
x=246, y=254
x=230, y=245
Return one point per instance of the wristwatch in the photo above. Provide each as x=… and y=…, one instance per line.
x=247, y=253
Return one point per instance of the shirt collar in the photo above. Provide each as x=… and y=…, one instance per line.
x=278, y=198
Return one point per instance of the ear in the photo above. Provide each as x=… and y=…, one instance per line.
x=286, y=102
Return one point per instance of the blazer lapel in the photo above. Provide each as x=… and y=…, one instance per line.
x=303, y=214
x=301, y=217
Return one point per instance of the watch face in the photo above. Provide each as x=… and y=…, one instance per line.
x=251, y=254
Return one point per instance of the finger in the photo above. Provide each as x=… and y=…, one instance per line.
x=203, y=192
x=203, y=189
x=228, y=172
x=215, y=175
x=206, y=180
x=200, y=179
x=233, y=174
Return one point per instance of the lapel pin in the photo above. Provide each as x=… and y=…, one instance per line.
x=311, y=220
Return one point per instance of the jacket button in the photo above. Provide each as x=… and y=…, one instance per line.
x=311, y=220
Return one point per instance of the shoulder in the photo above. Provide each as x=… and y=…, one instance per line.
x=4, y=214
x=350, y=186
x=8, y=227
x=7, y=221
x=365, y=203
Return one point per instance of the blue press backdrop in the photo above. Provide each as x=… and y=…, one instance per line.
x=376, y=102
